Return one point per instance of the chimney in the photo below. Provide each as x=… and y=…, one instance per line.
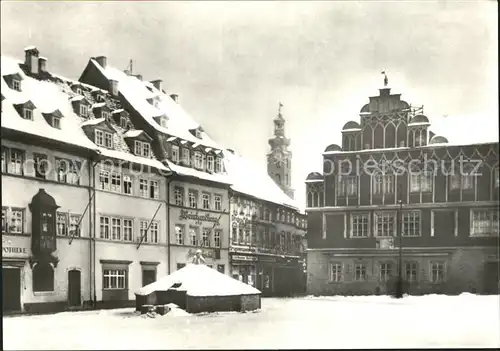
x=113, y=87
x=175, y=97
x=42, y=64
x=139, y=76
x=102, y=60
x=157, y=84
x=31, y=59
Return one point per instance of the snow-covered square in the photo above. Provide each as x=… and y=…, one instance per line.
x=310, y=322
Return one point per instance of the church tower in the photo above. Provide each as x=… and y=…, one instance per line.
x=279, y=160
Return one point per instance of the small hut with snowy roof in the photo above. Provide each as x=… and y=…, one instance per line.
x=198, y=288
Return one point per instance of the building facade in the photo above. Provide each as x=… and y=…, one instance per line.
x=393, y=179
x=46, y=167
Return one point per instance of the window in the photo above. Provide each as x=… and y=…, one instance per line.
x=217, y=236
x=175, y=153
x=179, y=234
x=40, y=165
x=113, y=279
x=438, y=272
x=348, y=185
x=221, y=268
x=385, y=224
x=410, y=271
x=463, y=181
x=198, y=160
x=185, y=156
x=108, y=140
x=179, y=196
x=143, y=232
x=206, y=201
x=210, y=163
x=116, y=182
x=385, y=271
x=421, y=181
x=335, y=272
x=127, y=184
x=16, y=221
x=193, y=198
x=154, y=189
x=28, y=114
x=68, y=171
x=62, y=170
x=16, y=161
x=116, y=227
x=193, y=236
x=61, y=223
x=383, y=184
x=359, y=225
x=154, y=232
x=104, y=180
x=16, y=84
x=484, y=223
x=43, y=277
x=359, y=272
x=163, y=122
x=205, y=237
x=218, y=202
x=56, y=122
x=99, y=137
x=79, y=91
x=123, y=122
x=84, y=111
x=141, y=148
x=104, y=227
x=128, y=230
x=218, y=165
x=411, y=223
x=4, y=159
x=105, y=115
x=143, y=187
x=74, y=225
x=4, y=219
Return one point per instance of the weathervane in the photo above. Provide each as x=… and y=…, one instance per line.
x=280, y=105
x=386, y=81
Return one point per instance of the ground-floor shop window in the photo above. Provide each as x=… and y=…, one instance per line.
x=43, y=277
x=245, y=274
x=114, y=279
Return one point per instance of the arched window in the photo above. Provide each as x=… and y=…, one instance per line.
x=309, y=199
x=278, y=177
x=390, y=136
x=43, y=277
x=378, y=136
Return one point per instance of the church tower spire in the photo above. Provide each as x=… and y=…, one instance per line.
x=279, y=160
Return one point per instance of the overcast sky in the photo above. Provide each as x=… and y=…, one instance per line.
x=231, y=62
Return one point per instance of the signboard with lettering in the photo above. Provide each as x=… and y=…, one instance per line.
x=205, y=253
x=14, y=248
x=199, y=218
x=243, y=258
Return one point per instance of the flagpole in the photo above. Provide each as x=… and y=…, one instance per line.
x=147, y=229
x=81, y=218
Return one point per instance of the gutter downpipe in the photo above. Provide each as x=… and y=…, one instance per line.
x=94, y=164
x=168, y=220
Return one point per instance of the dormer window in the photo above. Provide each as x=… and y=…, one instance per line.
x=142, y=149
x=163, y=122
x=103, y=139
x=123, y=122
x=210, y=163
x=28, y=114
x=185, y=156
x=218, y=165
x=105, y=115
x=175, y=153
x=198, y=160
x=197, y=132
x=84, y=110
x=56, y=122
x=79, y=91
x=16, y=84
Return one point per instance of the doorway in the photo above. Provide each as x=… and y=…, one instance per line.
x=148, y=276
x=492, y=278
x=74, y=287
x=11, y=289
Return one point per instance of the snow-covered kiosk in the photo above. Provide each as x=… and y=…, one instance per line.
x=198, y=288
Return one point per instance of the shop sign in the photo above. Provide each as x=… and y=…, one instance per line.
x=13, y=249
x=204, y=253
x=267, y=259
x=199, y=218
x=242, y=249
x=243, y=258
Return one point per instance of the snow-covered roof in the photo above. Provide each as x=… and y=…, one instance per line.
x=132, y=133
x=248, y=179
x=222, y=178
x=92, y=122
x=77, y=98
x=418, y=124
x=47, y=97
x=120, y=155
x=351, y=130
x=137, y=92
x=200, y=280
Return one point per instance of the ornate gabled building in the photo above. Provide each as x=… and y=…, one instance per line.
x=392, y=176
x=279, y=159
x=197, y=189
